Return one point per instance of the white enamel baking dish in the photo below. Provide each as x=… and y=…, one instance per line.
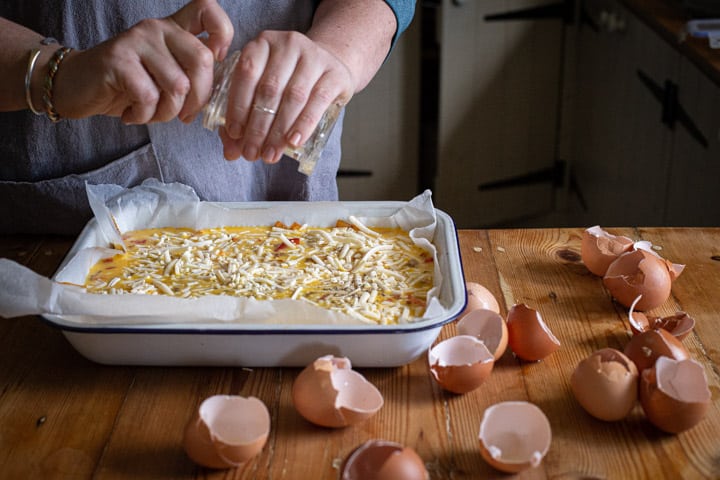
x=250, y=345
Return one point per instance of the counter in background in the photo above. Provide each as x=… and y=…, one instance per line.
x=669, y=19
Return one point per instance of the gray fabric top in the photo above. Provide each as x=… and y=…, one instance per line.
x=44, y=166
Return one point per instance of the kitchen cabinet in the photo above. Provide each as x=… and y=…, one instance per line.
x=539, y=113
x=646, y=147
x=381, y=128
x=693, y=197
x=500, y=71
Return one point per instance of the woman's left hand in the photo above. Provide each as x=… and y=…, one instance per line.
x=280, y=89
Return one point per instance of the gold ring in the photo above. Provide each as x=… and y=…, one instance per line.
x=264, y=109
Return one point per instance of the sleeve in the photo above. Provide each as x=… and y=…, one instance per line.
x=404, y=11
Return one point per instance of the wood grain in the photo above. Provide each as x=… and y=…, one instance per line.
x=62, y=416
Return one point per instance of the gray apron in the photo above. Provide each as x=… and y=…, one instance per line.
x=44, y=166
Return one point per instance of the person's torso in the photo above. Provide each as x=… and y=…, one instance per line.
x=45, y=166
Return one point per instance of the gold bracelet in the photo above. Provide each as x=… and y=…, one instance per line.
x=32, y=60
x=54, y=65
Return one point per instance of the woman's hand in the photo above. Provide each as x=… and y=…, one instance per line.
x=280, y=89
x=153, y=72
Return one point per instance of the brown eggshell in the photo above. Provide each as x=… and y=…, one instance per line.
x=674, y=394
x=639, y=322
x=489, y=327
x=680, y=324
x=514, y=436
x=606, y=384
x=227, y=431
x=645, y=348
x=528, y=336
x=330, y=394
x=383, y=460
x=675, y=269
x=479, y=297
x=639, y=273
x=460, y=364
x=600, y=248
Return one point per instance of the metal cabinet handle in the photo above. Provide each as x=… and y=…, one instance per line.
x=563, y=10
x=672, y=111
x=354, y=173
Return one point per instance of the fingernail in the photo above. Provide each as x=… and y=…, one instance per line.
x=295, y=139
x=250, y=153
x=268, y=154
x=234, y=130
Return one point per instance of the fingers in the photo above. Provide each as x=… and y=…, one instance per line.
x=192, y=77
x=160, y=69
x=158, y=56
x=200, y=16
x=323, y=94
x=245, y=124
x=281, y=88
x=206, y=16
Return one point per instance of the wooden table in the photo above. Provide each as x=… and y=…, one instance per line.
x=62, y=416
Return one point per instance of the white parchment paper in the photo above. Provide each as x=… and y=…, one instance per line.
x=155, y=204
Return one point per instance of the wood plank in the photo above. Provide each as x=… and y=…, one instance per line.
x=56, y=408
x=544, y=270
x=65, y=417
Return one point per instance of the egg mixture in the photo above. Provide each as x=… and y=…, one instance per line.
x=376, y=275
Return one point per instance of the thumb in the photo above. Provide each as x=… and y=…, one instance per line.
x=207, y=16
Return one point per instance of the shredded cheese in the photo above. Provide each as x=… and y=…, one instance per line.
x=378, y=276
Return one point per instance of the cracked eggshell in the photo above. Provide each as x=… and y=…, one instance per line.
x=605, y=384
x=674, y=394
x=514, y=436
x=639, y=273
x=383, y=460
x=679, y=325
x=646, y=347
x=227, y=431
x=479, y=297
x=600, y=248
x=675, y=269
x=460, y=364
x=487, y=326
x=528, y=335
x=330, y=394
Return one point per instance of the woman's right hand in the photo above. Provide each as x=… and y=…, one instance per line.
x=153, y=72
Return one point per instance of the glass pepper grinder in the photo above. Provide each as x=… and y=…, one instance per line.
x=307, y=154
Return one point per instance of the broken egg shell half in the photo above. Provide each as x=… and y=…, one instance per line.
x=478, y=296
x=528, y=335
x=460, y=364
x=680, y=324
x=487, y=326
x=514, y=436
x=599, y=249
x=227, y=431
x=330, y=394
x=605, y=384
x=675, y=269
x=383, y=460
x=646, y=347
x=674, y=394
x=639, y=273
